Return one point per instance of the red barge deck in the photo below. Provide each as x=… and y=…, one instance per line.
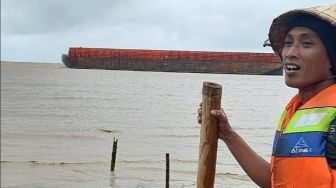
x=173, y=61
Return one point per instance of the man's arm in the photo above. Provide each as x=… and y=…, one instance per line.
x=256, y=167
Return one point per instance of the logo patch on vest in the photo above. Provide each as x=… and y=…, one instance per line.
x=301, y=146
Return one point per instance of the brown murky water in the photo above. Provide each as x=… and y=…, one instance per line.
x=58, y=125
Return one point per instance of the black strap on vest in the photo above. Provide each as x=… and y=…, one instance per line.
x=331, y=145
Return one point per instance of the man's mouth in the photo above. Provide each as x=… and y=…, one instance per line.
x=291, y=67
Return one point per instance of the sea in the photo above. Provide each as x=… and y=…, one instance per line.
x=58, y=125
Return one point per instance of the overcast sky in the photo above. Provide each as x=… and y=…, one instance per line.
x=41, y=30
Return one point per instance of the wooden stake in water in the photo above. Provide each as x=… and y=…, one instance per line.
x=167, y=170
x=211, y=99
x=114, y=153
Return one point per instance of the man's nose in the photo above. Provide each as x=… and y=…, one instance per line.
x=291, y=51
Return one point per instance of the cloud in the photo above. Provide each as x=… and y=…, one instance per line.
x=52, y=26
x=20, y=17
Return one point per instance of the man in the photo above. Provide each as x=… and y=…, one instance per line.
x=304, y=148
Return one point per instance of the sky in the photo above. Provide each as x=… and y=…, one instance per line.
x=43, y=30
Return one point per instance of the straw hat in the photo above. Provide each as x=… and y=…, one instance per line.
x=279, y=25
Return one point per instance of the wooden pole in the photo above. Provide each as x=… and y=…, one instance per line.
x=167, y=170
x=211, y=99
x=114, y=153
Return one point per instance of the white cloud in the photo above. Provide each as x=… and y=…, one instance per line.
x=40, y=30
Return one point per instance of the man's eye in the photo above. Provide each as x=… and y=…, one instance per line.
x=306, y=44
x=288, y=43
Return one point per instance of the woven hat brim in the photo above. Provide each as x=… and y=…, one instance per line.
x=279, y=25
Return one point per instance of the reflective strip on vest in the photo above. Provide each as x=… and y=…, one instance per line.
x=300, y=144
x=282, y=117
x=316, y=119
x=305, y=134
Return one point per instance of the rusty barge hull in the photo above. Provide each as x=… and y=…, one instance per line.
x=173, y=61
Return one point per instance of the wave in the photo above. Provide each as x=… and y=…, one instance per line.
x=141, y=161
x=184, y=161
x=100, y=162
x=83, y=135
x=96, y=98
x=176, y=136
x=55, y=163
x=158, y=161
x=233, y=176
x=65, y=98
x=109, y=130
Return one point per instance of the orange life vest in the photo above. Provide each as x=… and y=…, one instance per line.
x=298, y=157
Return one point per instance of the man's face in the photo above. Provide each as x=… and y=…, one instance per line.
x=305, y=58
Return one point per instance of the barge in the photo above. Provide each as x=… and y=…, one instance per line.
x=173, y=61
